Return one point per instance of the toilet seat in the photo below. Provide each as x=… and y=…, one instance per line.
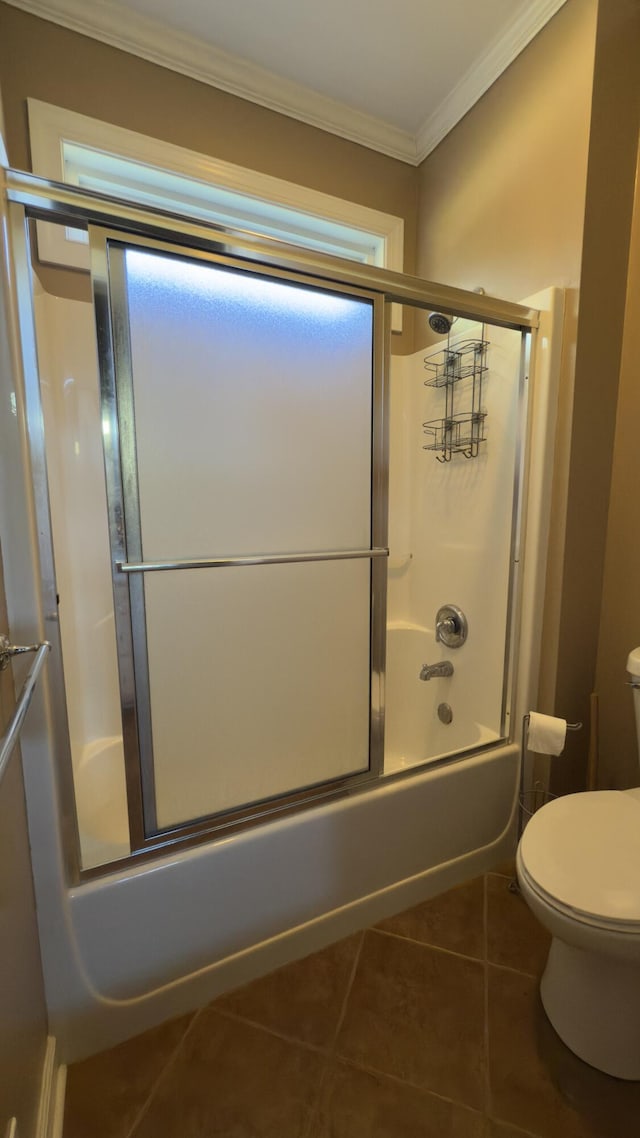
x=581, y=854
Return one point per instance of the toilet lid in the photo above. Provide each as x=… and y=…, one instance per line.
x=583, y=850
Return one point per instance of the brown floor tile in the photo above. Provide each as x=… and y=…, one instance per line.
x=454, y=920
x=537, y=1083
x=233, y=1080
x=302, y=1000
x=105, y=1094
x=515, y=939
x=355, y=1104
x=417, y=1013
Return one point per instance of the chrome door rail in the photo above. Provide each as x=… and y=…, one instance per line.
x=258, y=559
x=10, y=737
x=56, y=201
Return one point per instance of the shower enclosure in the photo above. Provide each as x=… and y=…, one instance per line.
x=249, y=513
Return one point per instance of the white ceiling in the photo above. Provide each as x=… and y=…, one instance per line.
x=395, y=75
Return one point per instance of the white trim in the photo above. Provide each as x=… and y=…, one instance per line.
x=112, y=23
x=52, y=1089
x=483, y=74
x=544, y=387
x=50, y=127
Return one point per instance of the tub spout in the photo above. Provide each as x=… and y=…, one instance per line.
x=443, y=668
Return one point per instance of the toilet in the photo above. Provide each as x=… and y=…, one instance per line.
x=578, y=866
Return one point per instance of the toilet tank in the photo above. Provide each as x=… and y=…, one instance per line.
x=633, y=668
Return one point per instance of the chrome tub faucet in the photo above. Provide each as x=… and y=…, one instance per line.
x=431, y=671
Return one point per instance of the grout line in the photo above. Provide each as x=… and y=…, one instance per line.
x=352, y=976
x=425, y=944
x=517, y=1130
x=313, y=1113
x=307, y=1130
x=379, y=1073
x=316, y=1047
x=169, y=1063
x=516, y=971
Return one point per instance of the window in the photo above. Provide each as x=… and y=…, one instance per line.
x=73, y=148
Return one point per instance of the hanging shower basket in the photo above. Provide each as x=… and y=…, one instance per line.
x=457, y=432
x=452, y=364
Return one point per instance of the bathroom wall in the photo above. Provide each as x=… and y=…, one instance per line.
x=534, y=188
x=502, y=196
x=41, y=60
x=620, y=615
x=608, y=216
x=502, y=207
x=23, y=1016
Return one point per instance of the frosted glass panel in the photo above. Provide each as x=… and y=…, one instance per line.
x=252, y=411
x=259, y=682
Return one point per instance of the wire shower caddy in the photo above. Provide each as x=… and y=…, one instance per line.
x=458, y=432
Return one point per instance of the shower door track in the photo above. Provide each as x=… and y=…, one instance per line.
x=46, y=200
x=33, y=198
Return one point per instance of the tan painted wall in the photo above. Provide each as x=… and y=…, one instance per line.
x=23, y=1013
x=38, y=59
x=502, y=197
x=615, y=120
x=23, y=1019
x=620, y=615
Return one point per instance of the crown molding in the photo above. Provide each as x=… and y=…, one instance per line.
x=483, y=74
x=110, y=22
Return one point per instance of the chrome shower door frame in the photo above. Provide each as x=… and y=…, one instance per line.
x=31, y=198
x=129, y=569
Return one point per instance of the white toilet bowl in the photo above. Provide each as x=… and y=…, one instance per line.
x=578, y=866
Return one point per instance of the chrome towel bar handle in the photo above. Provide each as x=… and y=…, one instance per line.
x=255, y=559
x=7, y=650
x=10, y=737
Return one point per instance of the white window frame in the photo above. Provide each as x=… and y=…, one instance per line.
x=74, y=148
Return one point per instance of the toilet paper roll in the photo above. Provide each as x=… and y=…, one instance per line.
x=546, y=734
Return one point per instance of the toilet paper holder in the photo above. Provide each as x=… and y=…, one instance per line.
x=523, y=750
x=525, y=796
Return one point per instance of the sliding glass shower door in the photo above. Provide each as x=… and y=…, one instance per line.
x=242, y=426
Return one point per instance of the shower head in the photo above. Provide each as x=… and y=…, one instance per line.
x=440, y=323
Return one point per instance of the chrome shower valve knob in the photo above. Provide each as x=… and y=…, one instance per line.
x=451, y=626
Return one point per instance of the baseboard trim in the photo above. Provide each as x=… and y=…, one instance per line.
x=52, y=1090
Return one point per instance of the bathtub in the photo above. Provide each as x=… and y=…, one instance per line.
x=126, y=951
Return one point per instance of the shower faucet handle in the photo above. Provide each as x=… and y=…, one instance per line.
x=451, y=626
x=7, y=650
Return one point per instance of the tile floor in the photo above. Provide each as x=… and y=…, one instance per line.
x=427, y=1026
